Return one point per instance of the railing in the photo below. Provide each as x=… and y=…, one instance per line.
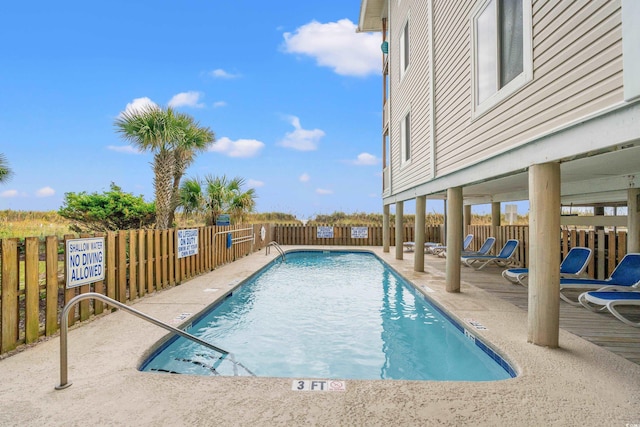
x=64, y=329
x=275, y=244
x=249, y=236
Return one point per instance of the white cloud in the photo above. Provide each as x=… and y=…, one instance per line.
x=9, y=193
x=304, y=177
x=301, y=139
x=366, y=159
x=187, y=99
x=124, y=149
x=219, y=104
x=323, y=191
x=45, y=192
x=239, y=148
x=337, y=45
x=219, y=73
x=254, y=183
x=139, y=104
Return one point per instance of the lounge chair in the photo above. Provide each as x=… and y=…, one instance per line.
x=609, y=299
x=411, y=246
x=626, y=275
x=573, y=265
x=436, y=250
x=484, y=249
x=504, y=259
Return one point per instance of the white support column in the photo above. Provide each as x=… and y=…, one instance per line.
x=399, y=230
x=544, y=255
x=386, y=228
x=454, y=238
x=421, y=208
x=633, y=220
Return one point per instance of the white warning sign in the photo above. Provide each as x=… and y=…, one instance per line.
x=85, y=261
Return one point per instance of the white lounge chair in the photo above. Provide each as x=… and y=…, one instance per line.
x=504, y=259
x=626, y=275
x=436, y=250
x=609, y=298
x=573, y=265
x=411, y=246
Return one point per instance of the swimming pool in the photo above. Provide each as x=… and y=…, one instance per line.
x=330, y=314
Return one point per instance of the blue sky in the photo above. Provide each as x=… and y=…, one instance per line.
x=291, y=91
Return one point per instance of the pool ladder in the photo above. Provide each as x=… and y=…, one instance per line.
x=277, y=246
x=64, y=322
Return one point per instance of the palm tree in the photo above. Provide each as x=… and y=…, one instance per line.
x=5, y=171
x=195, y=139
x=191, y=196
x=242, y=203
x=217, y=195
x=174, y=138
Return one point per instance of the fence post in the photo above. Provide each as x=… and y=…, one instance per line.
x=51, y=315
x=9, y=296
x=31, y=289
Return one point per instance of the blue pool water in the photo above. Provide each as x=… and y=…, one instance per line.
x=330, y=314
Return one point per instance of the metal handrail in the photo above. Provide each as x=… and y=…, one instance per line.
x=235, y=240
x=64, y=321
x=277, y=246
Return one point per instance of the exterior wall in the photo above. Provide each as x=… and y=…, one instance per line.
x=410, y=93
x=577, y=72
x=570, y=81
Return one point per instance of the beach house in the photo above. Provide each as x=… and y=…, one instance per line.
x=490, y=101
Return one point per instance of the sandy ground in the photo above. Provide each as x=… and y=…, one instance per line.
x=579, y=384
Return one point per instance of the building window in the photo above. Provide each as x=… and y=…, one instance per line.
x=404, y=49
x=405, y=138
x=502, y=59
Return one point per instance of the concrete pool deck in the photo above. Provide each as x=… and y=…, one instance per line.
x=578, y=384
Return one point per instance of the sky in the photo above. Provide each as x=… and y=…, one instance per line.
x=290, y=89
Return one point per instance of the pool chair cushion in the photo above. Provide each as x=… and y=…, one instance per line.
x=573, y=265
x=504, y=259
x=484, y=249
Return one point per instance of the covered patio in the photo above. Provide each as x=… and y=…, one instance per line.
x=602, y=329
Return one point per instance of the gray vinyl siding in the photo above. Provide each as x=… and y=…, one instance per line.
x=410, y=94
x=577, y=64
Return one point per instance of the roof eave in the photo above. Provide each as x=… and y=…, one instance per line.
x=371, y=13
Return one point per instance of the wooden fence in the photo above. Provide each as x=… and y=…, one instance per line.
x=137, y=262
x=343, y=235
x=141, y=262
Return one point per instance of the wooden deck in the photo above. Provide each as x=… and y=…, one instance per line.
x=602, y=328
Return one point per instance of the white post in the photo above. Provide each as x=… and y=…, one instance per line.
x=385, y=228
x=633, y=220
x=421, y=208
x=399, y=230
x=544, y=255
x=454, y=238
